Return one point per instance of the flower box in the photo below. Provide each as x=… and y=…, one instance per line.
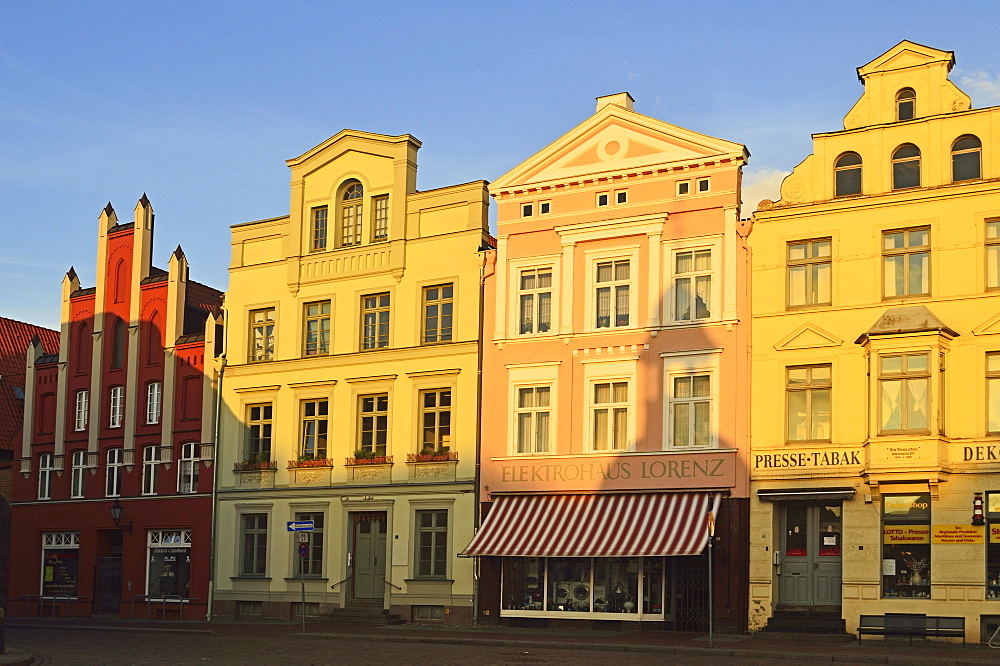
x=312, y=462
x=441, y=456
x=254, y=465
x=375, y=460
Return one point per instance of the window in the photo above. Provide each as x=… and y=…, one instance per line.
x=683, y=187
x=113, y=472
x=262, y=334
x=612, y=294
x=350, y=214
x=527, y=210
x=807, y=401
x=966, y=157
x=150, y=469
x=381, y=231
x=703, y=185
x=319, y=228
x=603, y=199
x=809, y=273
x=435, y=420
x=311, y=566
x=993, y=253
x=993, y=394
x=118, y=330
x=906, y=262
x=374, y=423
x=535, y=300
x=438, y=307
x=544, y=207
x=906, y=167
x=254, y=537
x=81, y=410
x=375, y=321
x=315, y=420
x=847, y=175
x=610, y=416
x=906, y=101
x=60, y=563
x=169, y=558
x=116, y=407
x=621, y=196
x=83, y=341
x=78, y=478
x=317, y=328
x=259, y=421
x=692, y=285
x=691, y=410
x=432, y=544
x=45, y=469
x=904, y=380
x=154, y=395
x=187, y=468
x=906, y=545
x=532, y=413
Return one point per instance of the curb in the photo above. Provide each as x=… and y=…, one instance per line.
x=16, y=658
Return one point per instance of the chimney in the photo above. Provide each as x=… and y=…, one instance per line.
x=622, y=99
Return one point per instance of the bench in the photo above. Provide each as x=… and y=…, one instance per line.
x=912, y=624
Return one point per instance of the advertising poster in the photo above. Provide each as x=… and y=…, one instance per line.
x=59, y=571
x=169, y=572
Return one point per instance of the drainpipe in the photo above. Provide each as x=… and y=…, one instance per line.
x=215, y=474
x=479, y=429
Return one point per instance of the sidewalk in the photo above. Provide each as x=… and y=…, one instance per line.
x=872, y=651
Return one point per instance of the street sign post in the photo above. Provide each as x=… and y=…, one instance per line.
x=301, y=526
x=303, y=537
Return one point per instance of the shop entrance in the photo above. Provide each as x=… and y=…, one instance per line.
x=108, y=583
x=810, y=556
x=369, y=555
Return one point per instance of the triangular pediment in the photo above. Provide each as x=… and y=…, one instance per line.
x=906, y=54
x=989, y=327
x=615, y=139
x=808, y=337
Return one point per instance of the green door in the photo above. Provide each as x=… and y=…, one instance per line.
x=369, y=556
x=810, y=567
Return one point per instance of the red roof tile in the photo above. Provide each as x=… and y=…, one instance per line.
x=15, y=336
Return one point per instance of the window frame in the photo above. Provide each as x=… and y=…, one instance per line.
x=46, y=465
x=81, y=410
x=533, y=410
x=320, y=346
x=839, y=168
x=188, y=468
x=611, y=407
x=992, y=247
x=314, y=427
x=253, y=537
x=679, y=364
x=809, y=387
x=437, y=568
x=268, y=327
x=904, y=376
x=682, y=188
x=119, y=341
x=613, y=286
x=314, y=561
x=380, y=218
x=900, y=161
x=150, y=469
x=264, y=422
x=707, y=182
x=154, y=402
x=319, y=228
x=350, y=209
x=810, y=264
x=78, y=474
x=958, y=153
x=441, y=434
x=445, y=312
x=376, y=340
x=113, y=471
x=116, y=406
x=992, y=378
x=373, y=413
x=535, y=294
x=906, y=251
x=692, y=275
x=900, y=100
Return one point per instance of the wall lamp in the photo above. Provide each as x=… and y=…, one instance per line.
x=116, y=516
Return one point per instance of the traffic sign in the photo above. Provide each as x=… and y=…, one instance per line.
x=300, y=526
x=303, y=537
x=303, y=550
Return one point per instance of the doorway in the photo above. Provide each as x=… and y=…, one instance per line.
x=369, y=555
x=108, y=585
x=809, y=574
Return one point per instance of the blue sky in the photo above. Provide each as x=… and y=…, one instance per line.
x=198, y=104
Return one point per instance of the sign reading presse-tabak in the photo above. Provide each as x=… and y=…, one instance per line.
x=801, y=459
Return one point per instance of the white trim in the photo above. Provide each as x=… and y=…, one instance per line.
x=603, y=371
x=675, y=365
x=717, y=272
x=592, y=258
x=532, y=375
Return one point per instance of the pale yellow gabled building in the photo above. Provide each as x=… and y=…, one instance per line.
x=876, y=362
x=350, y=391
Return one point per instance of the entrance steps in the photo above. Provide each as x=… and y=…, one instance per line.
x=828, y=624
x=359, y=611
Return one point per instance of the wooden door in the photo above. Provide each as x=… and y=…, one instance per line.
x=369, y=556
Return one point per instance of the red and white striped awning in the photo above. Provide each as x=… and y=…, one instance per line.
x=605, y=525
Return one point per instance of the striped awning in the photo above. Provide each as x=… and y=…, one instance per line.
x=605, y=525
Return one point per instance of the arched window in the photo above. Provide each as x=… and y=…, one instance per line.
x=966, y=162
x=906, y=104
x=152, y=340
x=847, y=175
x=121, y=281
x=117, y=344
x=83, y=342
x=350, y=213
x=906, y=167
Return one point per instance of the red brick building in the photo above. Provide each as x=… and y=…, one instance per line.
x=112, y=505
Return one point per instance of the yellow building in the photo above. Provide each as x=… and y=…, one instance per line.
x=876, y=327
x=350, y=392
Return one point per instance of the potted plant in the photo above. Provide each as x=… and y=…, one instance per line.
x=429, y=454
x=368, y=457
x=308, y=460
x=254, y=464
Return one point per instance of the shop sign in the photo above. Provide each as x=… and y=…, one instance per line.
x=716, y=469
x=983, y=453
x=907, y=506
x=60, y=571
x=894, y=534
x=957, y=534
x=800, y=459
x=994, y=533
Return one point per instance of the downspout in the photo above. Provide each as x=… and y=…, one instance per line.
x=215, y=474
x=479, y=427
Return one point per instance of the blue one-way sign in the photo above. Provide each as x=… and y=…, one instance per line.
x=300, y=526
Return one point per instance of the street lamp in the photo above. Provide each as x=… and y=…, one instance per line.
x=116, y=516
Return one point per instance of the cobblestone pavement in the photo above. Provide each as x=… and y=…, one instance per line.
x=98, y=646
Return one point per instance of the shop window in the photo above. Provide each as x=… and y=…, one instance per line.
x=381, y=231
x=317, y=328
x=259, y=424
x=439, y=305
x=906, y=262
x=609, y=414
x=532, y=413
x=319, y=228
x=568, y=584
x=807, y=400
x=169, y=564
x=374, y=321
x=78, y=479
x=81, y=410
x=311, y=566
x=693, y=285
x=611, y=291
x=432, y=544
x=60, y=563
x=45, y=469
x=154, y=402
x=906, y=102
x=904, y=400
x=113, y=472
x=534, y=298
x=435, y=421
x=847, y=175
x=315, y=424
x=373, y=424
x=350, y=213
x=116, y=406
x=150, y=469
x=253, y=538
x=993, y=253
x=993, y=545
x=966, y=158
x=906, y=167
x=187, y=468
x=906, y=546
x=262, y=334
x=809, y=267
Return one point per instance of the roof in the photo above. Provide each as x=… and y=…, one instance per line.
x=15, y=336
x=204, y=297
x=910, y=319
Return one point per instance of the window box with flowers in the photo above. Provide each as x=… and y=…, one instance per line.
x=255, y=473
x=309, y=461
x=254, y=465
x=310, y=471
x=432, y=465
x=366, y=466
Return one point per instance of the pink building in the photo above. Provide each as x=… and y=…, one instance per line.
x=615, y=380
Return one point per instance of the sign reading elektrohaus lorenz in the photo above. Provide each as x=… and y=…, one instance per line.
x=619, y=472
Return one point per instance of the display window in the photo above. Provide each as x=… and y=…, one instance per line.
x=906, y=546
x=60, y=563
x=993, y=545
x=578, y=586
x=169, y=564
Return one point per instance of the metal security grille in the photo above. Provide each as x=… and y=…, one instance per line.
x=691, y=586
x=109, y=584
